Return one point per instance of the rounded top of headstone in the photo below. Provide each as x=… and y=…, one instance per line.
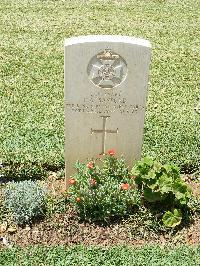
x=107, y=38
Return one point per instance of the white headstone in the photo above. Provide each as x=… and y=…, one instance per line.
x=105, y=96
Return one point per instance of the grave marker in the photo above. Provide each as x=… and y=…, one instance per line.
x=105, y=96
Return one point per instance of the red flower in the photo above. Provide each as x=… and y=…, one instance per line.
x=78, y=199
x=93, y=182
x=133, y=177
x=111, y=152
x=72, y=181
x=90, y=165
x=125, y=186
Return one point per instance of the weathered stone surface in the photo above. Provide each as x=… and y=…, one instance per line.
x=105, y=96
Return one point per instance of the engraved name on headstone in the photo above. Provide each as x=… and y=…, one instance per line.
x=105, y=96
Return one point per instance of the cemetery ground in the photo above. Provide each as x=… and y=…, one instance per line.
x=62, y=226
x=60, y=233
x=32, y=125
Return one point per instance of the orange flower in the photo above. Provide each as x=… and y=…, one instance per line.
x=72, y=181
x=90, y=165
x=111, y=152
x=78, y=199
x=133, y=177
x=125, y=186
x=93, y=182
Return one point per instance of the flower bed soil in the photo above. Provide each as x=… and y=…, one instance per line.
x=66, y=229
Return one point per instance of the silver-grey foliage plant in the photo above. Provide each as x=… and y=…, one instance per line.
x=25, y=200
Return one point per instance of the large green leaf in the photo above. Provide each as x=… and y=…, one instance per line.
x=157, y=167
x=182, y=191
x=152, y=196
x=172, y=219
x=165, y=183
x=172, y=170
x=151, y=174
x=154, y=186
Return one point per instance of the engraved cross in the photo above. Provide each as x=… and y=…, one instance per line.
x=104, y=131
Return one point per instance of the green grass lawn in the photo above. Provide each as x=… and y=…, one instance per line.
x=96, y=256
x=32, y=37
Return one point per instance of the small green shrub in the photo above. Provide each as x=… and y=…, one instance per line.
x=162, y=183
x=100, y=193
x=25, y=200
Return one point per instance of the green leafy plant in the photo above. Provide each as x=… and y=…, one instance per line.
x=172, y=219
x=162, y=183
x=25, y=200
x=105, y=191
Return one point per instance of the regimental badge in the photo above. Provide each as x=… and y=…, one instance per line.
x=107, y=69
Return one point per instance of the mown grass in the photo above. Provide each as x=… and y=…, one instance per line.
x=31, y=88
x=117, y=255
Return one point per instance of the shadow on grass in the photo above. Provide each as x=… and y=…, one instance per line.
x=28, y=171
